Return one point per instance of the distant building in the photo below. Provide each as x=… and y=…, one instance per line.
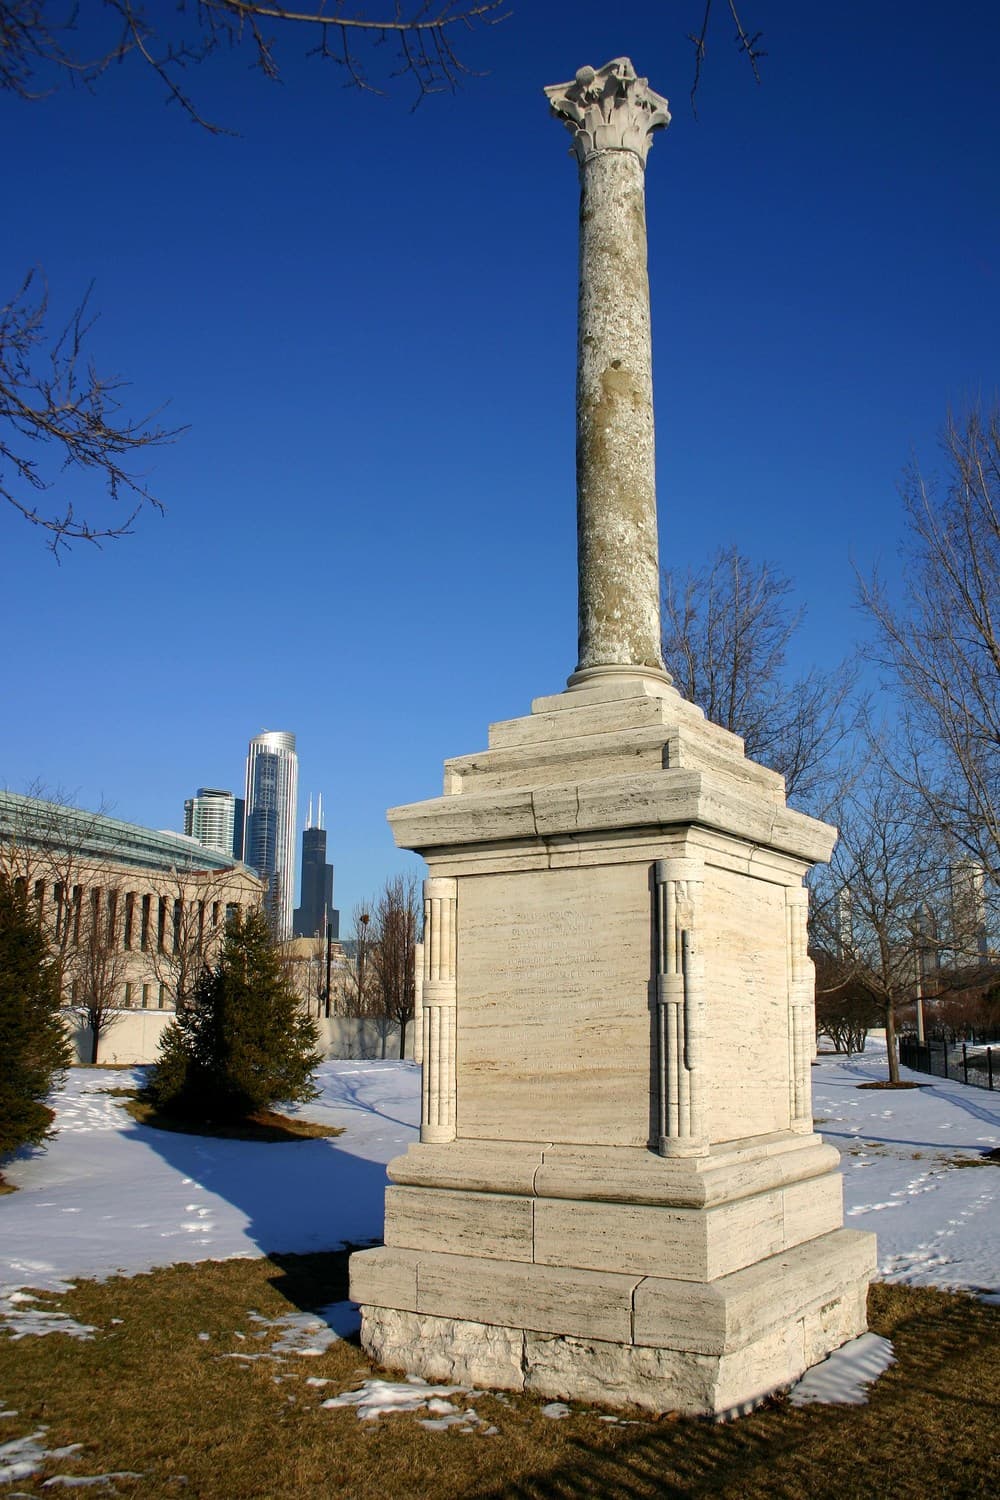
x=272, y=789
x=843, y=918
x=131, y=914
x=316, y=915
x=212, y=816
x=968, y=911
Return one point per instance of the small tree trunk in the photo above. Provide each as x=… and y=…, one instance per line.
x=95, y=1038
x=890, y=1041
x=402, y=1037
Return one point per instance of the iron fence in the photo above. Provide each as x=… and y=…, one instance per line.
x=965, y=1062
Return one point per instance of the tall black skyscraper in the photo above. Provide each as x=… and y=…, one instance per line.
x=316, y=915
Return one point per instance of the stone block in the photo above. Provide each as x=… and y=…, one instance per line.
x=813, y=1208
x=476, y=1166
x=547, y=1299
x=616, y=1375
x=446, y=1349
x=384, y=1277
x=494, y=1225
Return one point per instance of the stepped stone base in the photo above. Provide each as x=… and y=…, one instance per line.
x=659, y=1344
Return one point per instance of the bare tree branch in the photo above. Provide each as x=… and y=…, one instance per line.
x=939, y=646
x=59, y=417
x=39, y=42
x=747, y=45
x=726, y=633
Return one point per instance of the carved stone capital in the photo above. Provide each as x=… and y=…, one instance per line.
x=609, y=109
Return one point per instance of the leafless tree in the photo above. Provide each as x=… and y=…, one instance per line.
x=63, y=422
x=726, y=633
x=396, y=921
x=50, y=845
x=53, y=850
x=939, y=645
x=358, y=997
x=888, y=864
x=41, y=45
x=96, y=964
x=65, y=429
x=190, y=934
x=845, y=1004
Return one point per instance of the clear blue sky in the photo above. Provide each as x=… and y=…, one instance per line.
x=367, y=318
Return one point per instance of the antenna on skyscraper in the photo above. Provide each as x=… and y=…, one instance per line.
x=309, y=815
x=319, y=815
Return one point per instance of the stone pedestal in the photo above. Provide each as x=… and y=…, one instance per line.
x=617, y=1195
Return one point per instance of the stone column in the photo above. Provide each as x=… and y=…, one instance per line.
x=611, y=115
x=801, y=1009
x=680, y=1007
x=437, y=1121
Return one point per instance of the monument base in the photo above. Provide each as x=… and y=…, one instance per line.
x=617, y=1195
x=712, y=1348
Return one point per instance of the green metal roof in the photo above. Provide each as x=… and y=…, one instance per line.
x=49, y=825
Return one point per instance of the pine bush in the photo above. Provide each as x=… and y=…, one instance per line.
x=34, y=1045
x=242, y=1043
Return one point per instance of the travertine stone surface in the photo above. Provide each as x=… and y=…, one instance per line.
x=729, y=1172
x=617, y=1195
x=611, y=114
x=691, y=1348
x=556, y=1037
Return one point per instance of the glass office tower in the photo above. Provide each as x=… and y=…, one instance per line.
x=269, y=845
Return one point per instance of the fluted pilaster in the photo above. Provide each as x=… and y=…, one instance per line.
x=801, y=1008
x=680, y=1007
x=439, y=1006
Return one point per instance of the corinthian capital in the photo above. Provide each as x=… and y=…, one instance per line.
x=609, y=109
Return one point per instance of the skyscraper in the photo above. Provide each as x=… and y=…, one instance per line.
x=269, y=845
x=315, y=915
x=210, y=816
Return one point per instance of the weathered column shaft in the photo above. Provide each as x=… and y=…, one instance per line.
x=611, y=114
x=617, y=558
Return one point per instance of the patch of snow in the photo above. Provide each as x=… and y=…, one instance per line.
x=83, y=1481
x=312, y=1333
x=843, y=1378
x=24, y=1456
x=556, y=1410
x=21, y=1318
x=380, y=1398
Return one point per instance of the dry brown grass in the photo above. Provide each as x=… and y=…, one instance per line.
x=262, y=1126
x=147, y=1395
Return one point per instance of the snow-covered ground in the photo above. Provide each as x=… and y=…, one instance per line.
x=914, y=1170
x=108, y=1195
